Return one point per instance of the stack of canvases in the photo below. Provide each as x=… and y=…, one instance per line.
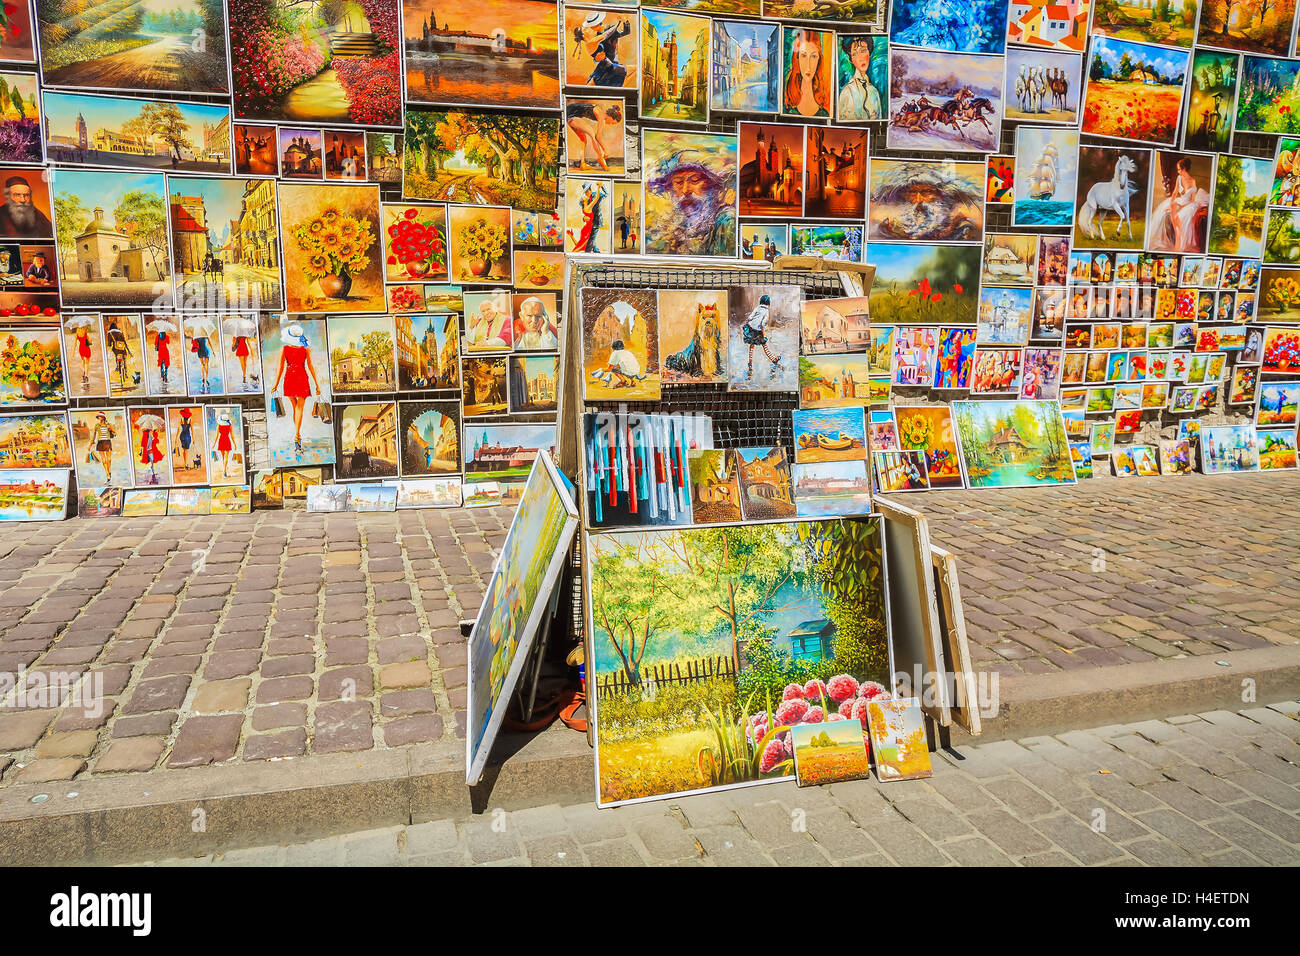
x=336, y=175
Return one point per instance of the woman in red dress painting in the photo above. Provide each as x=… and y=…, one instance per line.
x=83, y=351
x=241, y=351
x=295, y=365
x=164, y=354
x=225, y=444
x=150, y=452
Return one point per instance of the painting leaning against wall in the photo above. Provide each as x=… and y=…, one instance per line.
x=742, y=632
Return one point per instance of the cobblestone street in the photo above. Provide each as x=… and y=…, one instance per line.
x=1118, y=570
x=228, y=642
x=1216, y=789
x=237, y=638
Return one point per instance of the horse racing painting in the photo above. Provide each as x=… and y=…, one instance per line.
x=944, y=101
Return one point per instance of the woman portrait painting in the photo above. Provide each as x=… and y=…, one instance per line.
x=808, y=73
x=1180, y=221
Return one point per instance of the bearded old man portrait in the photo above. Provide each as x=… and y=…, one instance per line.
x=19, y=217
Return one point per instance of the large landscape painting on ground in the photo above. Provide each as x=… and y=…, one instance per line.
x=709, y=644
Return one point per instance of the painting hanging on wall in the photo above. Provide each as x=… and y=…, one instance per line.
x=925, y=284
x=690, y=201
x=295, y=366
x=101, y=446
x=922, y=201
x=747, y=66
x=31, y=367
x=429, y=433
x=1259, y=28
x=601, y=48
x=1046, y=176
x=1241, y=188
x=1208, y=109
x=480, y=157
x=154, y=50
x=504, y=52
x=692, y=333
x=227, y=460
x=1111, y=197
x=1134, y=91
x=806, y=638
x=674, y=66
x=332, y=255
x=966, y=111
x=338, y=64
x=103, y=265
x=366, y=438
x=36, y=440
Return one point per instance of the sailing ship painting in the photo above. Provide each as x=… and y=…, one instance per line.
x=505, y=52
x=1045, y=176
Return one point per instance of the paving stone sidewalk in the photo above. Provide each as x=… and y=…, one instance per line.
x=1217, y=789
x=278, y=634
x=1117, y=570
x=245, y=637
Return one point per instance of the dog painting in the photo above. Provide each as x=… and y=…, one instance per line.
x=691, y=324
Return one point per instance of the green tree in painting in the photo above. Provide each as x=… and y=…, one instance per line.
x=70, y=217
x=377, y=350
x=146, y=211
x=847, y=570
x=633, y=600
x=738, y=576
x=164, y=120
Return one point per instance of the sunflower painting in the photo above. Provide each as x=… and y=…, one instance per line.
x=332, y=255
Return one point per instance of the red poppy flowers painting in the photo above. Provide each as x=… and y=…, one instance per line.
x=924, y=285
x=415, y=243
x=1134, y=91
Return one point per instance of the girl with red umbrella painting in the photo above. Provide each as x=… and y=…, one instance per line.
x=164, y=353
x=295, y=365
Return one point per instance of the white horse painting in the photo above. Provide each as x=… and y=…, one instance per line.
x=1109, y=197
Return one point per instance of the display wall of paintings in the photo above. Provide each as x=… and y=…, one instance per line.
x=402, y=184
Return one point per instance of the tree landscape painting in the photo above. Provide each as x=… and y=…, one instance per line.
x=1134, y=91
x=1256, y=26
x=710, y=644
x=122, y=132
x=1013, y=444
x=147, y=46
x=1241, y=189
x=317, y=61
x=482, y=158
x=1169, y=22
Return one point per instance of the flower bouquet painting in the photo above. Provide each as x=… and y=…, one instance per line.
x=415, y=243
x=330, y=233
x=31, y=367
x=480, y=243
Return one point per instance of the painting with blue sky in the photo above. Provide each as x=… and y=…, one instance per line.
x=829, y=434
x=1134, y=91
x=925, y=284
x=127, y=133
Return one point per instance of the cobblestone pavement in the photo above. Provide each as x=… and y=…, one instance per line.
x=1219, y=789
x=242, y=638
x=234, y=638
x=1117, y=570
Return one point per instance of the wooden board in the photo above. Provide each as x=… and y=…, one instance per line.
x=966, y=705
x=914, y=608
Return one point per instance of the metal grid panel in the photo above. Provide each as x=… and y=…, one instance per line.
x=740, y=419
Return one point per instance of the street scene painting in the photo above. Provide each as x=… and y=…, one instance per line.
x=743, y=633
x=125, y=133
x=674, y=66
x=111, y=238
x=225, y=243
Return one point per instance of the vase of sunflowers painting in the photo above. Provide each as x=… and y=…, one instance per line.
x=336, y=245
